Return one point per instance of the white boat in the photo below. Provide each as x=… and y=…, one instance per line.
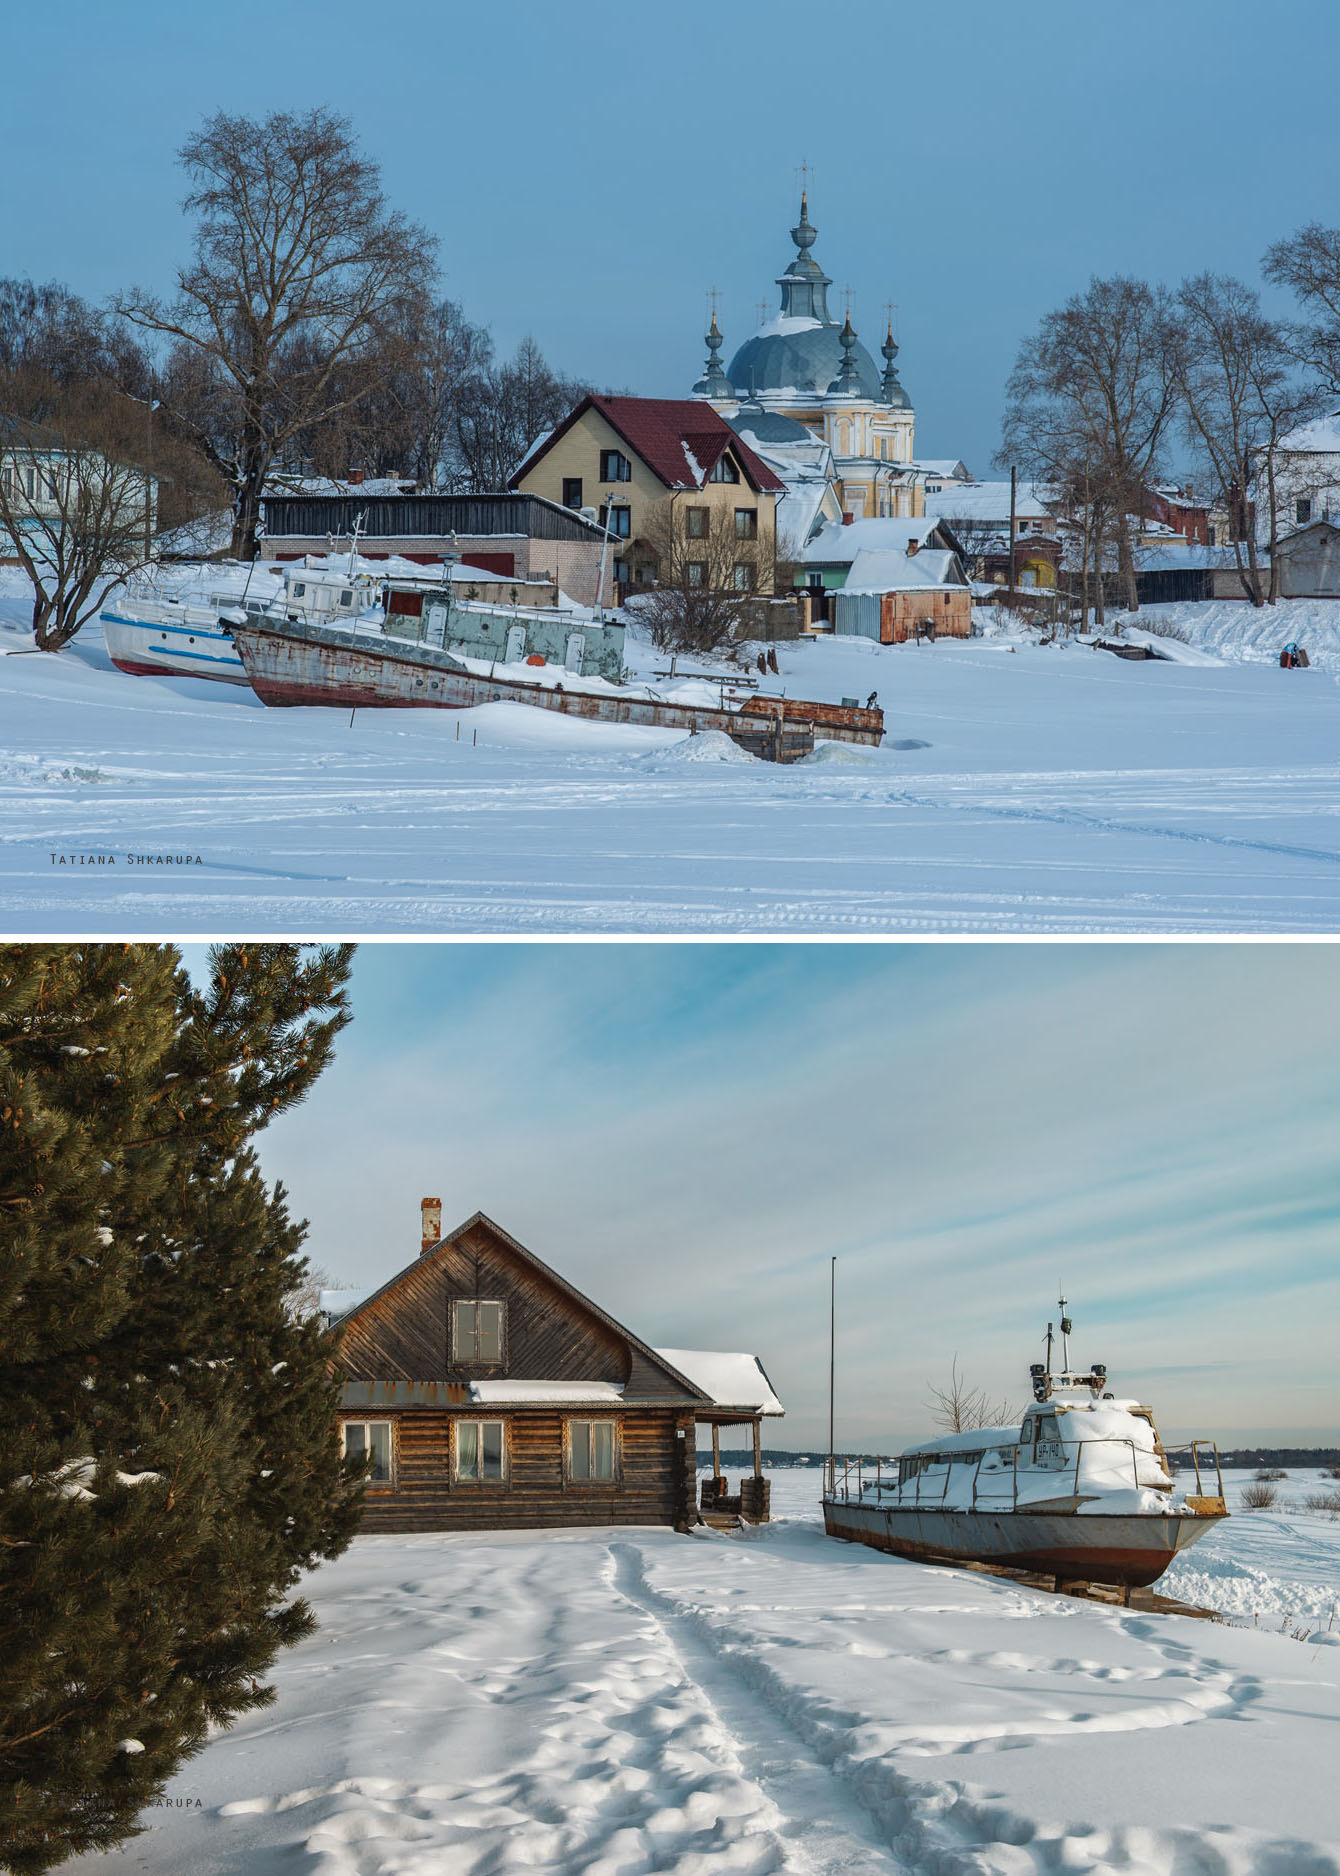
x=158, y=628
x=1082, y=1489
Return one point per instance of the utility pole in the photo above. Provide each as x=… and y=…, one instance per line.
x=832, y=1369
x=1013, y=499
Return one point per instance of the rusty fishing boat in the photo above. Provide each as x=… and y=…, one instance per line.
x=389, y=666
x=1083, y=1490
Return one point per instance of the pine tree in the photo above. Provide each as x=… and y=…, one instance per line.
x=169, y=1467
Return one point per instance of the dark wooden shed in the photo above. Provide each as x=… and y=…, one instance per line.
x=493, y=1394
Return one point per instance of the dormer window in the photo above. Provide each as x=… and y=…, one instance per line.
x=724, y=469
x=476, y=1333
x=615, y=466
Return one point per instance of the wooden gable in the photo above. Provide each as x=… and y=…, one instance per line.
x=551, y=1332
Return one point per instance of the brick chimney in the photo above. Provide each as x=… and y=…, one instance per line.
x=913, y=546
x=431, y=1212
x=355, y=476
x=847, y=517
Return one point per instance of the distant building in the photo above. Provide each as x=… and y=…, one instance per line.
x=894, y=594
x=1307, y=476
x=510, y=535
x=825, y=563
x=1309, y=561
x=805, y=367
x=663, y=473
x=491, y=1394
x=978, y=515
x=38, y=472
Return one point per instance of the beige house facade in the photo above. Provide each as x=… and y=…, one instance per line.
x=680, y=495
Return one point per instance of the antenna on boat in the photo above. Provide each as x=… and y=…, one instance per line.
x=1066, y=1327
x=832, y=1366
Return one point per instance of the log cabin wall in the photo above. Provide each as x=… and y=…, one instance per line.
x=653, y=1483
x=403, y=1336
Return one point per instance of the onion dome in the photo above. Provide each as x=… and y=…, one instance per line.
x=714, y=383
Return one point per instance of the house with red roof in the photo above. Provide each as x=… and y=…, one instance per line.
x=681, y=494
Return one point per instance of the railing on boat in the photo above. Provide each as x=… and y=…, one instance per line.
x=853, y=1472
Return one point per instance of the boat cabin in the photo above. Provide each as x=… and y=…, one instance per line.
x=492, y=1394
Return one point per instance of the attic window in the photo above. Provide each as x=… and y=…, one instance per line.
x=477, y=1332
x=1302, y=510
x=615, y=466
x=724, y=470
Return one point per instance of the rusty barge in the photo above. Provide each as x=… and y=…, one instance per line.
x=1082, y=1491
x=296, y=662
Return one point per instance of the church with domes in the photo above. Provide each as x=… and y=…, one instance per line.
x=806, y=395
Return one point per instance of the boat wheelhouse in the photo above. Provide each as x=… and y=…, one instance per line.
x=1082, y=1489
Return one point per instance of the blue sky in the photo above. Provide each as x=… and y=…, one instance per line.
x=592, y=172
x=689, y=1132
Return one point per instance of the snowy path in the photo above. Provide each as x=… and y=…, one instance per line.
x=613, y=1703
x=1046, y=791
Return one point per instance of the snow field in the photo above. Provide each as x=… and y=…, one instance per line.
x=1019, y=789
x=626, y=1701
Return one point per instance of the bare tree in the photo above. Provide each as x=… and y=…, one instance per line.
x=1308, y=263
x=76, y=506
x=1240, y=395
x=299, y=269
x=961, y=1409
x=1090, y=400
x=502, y=410
x=705, y=575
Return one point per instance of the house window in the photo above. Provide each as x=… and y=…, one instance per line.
x=615, y=466
x=572, y=491
x=724, y=469
x=617, y=520
x=477, y=1332
x=621, y=572
x=746, y=524
x=30, y=484
x=481, y=1452
x=1302, y=510
x=744, y=576
x=696, y=523
x=369, y=1436
x=591, y=1449
x=697, y=572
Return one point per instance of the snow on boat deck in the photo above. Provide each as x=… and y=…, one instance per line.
x=1035, y=790
x=619, y=1702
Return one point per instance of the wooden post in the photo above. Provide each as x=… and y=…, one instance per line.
x=758, y=1449
x=716, y=1450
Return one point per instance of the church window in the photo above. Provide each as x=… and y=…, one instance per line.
x=695, y=523
x=724, y=470
x=572, y=491
x=746, y=524
x=615, y=466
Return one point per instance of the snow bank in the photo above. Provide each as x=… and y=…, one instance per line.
x=706, y=746
x=1236, y=632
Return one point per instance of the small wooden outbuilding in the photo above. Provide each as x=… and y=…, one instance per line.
x=492, y=1394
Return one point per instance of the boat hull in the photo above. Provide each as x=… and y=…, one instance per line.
x=142, y=649
x=1100, y=1547
x=294, y=664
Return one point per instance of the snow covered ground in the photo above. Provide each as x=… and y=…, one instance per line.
x=1020, y=789
x=616, y=1702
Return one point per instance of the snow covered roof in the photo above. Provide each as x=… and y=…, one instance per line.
x=732, y=1381
x=1178, y=555
x=976, y=1441
x=947, y=466
x=985, y=501
x=525, y=1393
x=885, y=570
x=1322, y=435
x=840, y=545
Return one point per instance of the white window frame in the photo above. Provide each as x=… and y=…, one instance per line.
x=460, y=1360
x=504, y=1443
x=582, y=1430
x=374, y=1484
